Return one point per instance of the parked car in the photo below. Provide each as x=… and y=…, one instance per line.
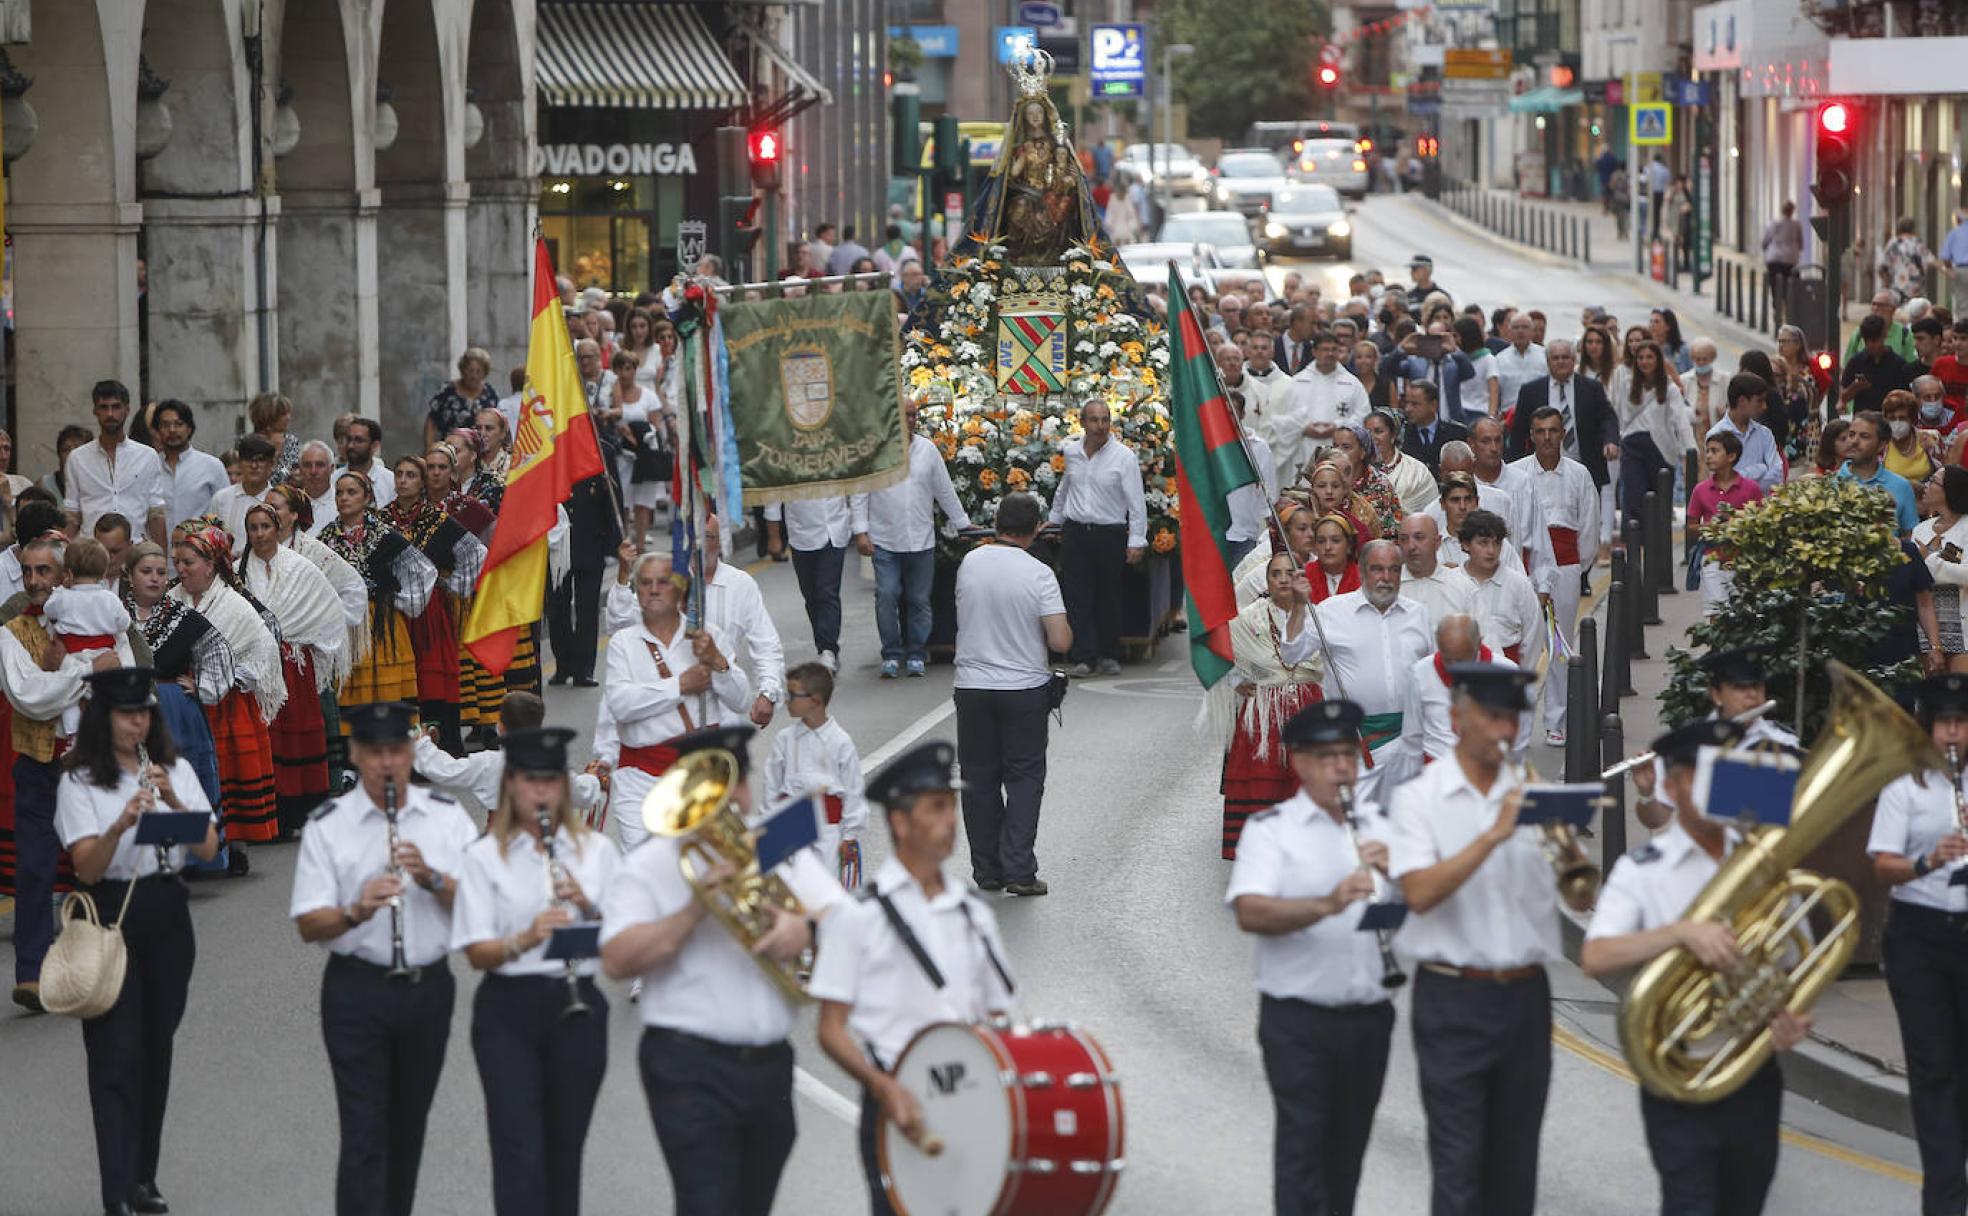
x=1149, y=262
x=1227, y=232
x=1173, y=162
x=1333, y=162
x=1246, y=178
x=1308, y=218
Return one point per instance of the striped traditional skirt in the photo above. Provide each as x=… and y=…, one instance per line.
x=484, y=692
x=245, y=767
x=434, y=638
x=1254, y=782
x=387, y=673
x=300, y=745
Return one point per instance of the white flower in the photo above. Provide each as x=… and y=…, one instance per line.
x=1083, y=347
x=970, y=455
x=967, y=349
x=1109, y=349
x=1082, y=291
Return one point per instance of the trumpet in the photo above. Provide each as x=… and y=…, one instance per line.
x=399, y=968
x=1578, y=875
x=576, y=1007
x=1646, y=757
x=1391, y=975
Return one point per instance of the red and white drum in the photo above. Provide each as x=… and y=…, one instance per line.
x=1029, y=1116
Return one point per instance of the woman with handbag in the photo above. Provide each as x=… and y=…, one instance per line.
x=103, y=793
x=645, y=460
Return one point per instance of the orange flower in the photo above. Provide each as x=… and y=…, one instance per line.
x=1058, y=462
x=1164, y=540
x=1017, y=478
x=987, y=478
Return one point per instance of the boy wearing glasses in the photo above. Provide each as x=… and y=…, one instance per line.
x=814, y=754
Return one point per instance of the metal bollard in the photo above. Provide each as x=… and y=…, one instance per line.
x=1663, y=537
x=1611, y=672
x=1585, y=653
x=1576, y=759
x=1588, y=242
x=1636, y=613
x=1612, y=821
x=1651, y=559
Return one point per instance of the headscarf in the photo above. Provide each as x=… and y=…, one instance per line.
x=255, y=649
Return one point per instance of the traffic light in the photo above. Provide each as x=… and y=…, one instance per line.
x=763, y=148
x=1427, y=147
x=1837, y=149
x=948, y=139
x=1328, y=76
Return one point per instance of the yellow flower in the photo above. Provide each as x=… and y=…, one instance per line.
x=959, y=287
x=1104, y=292
x=919, y=377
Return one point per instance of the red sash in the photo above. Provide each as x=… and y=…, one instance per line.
x=654, y=760
x=76, y=643
x=833, y=809
x=1483, y=655
x=1515, y=653
x=1565, y=545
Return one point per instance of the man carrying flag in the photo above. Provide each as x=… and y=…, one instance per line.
x=553, y=448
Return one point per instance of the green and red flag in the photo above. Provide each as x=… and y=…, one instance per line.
x=1210, y=462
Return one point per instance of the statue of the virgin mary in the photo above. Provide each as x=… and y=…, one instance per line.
x=1037, y=202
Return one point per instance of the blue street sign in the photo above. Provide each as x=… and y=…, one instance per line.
x=1684, y=92
x=936, y=41
x=1014, y=38
x=1039, y=13
x=1120, y=60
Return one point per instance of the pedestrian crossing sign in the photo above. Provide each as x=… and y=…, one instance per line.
x=1650, y=123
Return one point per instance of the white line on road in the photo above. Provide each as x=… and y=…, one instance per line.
x=825, y=1096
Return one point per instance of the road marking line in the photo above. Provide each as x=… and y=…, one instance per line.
x=826, y=1097
x=910, y=733
x=1594, y=1054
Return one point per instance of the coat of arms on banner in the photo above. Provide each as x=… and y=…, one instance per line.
x=807, y=377
x=1031, y=351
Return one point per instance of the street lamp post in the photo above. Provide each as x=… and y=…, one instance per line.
x=1169, y=51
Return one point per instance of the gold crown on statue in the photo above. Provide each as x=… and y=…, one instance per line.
x=1030, y=68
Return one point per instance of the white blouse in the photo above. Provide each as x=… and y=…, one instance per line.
x=499, y=896
x=84, y=809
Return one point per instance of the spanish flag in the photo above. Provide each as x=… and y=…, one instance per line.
x=553, y=449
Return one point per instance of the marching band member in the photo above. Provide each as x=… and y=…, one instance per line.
x=716, y=1065
x=814, y=752
x=1570, y=503
x=1426, y=731
x=385, y=916
x=1711, y=1157
x=102, y=796
x=915, y=946
x=1324, y=1020
x=539, y=1027
x=1918, y=840
x=1735, y=687
x=660, y=683
x=1483, y=921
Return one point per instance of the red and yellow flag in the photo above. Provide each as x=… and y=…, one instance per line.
x=554, y=447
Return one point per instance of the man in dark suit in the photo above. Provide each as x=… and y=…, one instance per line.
x=1292, y=350
x=574, y=603
x=1591, y=427
x=1427, y=430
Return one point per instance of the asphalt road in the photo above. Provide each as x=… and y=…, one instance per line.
x=1134, y=944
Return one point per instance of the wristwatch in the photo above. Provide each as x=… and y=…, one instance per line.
x=771, y=694
x=434, y=884
x=1921, y=867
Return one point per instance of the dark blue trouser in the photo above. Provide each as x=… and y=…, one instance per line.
x=902, y=615
x=1926, y=964
x=37, y=851
x=1716, y=1158
x=819, y=574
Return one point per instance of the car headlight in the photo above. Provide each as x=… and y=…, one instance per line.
x=1275, y=230
x=1342, y=228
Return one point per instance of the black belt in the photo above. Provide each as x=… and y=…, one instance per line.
x=1298, y=1003
x=741, y=1052
x=1074, y=523
x=1930, y=916
x=382, y=970
x=94, y=889
x=1486, y=975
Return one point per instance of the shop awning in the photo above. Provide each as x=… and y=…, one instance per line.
x=632, y=56
x=1546, y=100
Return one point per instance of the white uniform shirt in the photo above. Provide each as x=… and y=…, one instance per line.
x=189, y=486
x=131, y=484
x=1370, y=650
x=902, y=518
x=230, y=504
x=1506, y=913
x=1515, y=369
x=1527, y=524
x=1509, y=614
x=1910, y=820
x=1655, y=884
x=1568, y=499
x=43, y=695
x=803, y=759
x=347, y=843
x=646, y=705
x=499, y=896
x=1425, y=727
x=380, y=476
x=1104, y=488
x=1002, y=592
x=474, y=779
x=84, y=809
x=1446, y=591
x=324, y=510
x=816, y=523
x=712, y=987
x=1296, y=850
x=1497, y=501
x=1250, y=506
x=863, y=963
x=734, y=608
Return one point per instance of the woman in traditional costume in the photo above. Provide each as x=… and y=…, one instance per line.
x=312, y=657
x=399, y=580
x=434, y=633
x=295, y=510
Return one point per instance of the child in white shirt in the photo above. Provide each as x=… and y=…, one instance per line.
x=85, y=616
x=474, y=780
x=814, y=755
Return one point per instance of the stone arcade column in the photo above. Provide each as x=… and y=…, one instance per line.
x=205, y=304
x=422, y=284
x=499, y=312
x=328, y=364
x=75, y=309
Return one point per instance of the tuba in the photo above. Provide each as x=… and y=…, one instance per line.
x=1696, y=1035
x=692, y=805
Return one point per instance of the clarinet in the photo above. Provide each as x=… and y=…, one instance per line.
x=147, y=785
x=399, y=969
x=1391, y=975
x=576, y=1007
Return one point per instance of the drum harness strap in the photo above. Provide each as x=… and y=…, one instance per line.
x=915, y=946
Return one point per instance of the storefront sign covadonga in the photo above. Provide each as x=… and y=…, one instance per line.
x=619, y=160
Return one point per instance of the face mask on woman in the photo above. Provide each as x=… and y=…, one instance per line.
x=1901, y=428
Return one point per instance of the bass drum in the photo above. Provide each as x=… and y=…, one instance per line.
x=1029, y=1118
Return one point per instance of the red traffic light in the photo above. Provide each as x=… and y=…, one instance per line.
x=1834, y=118
x=1824, y=360
x=1328, y=76
x=763, y=147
